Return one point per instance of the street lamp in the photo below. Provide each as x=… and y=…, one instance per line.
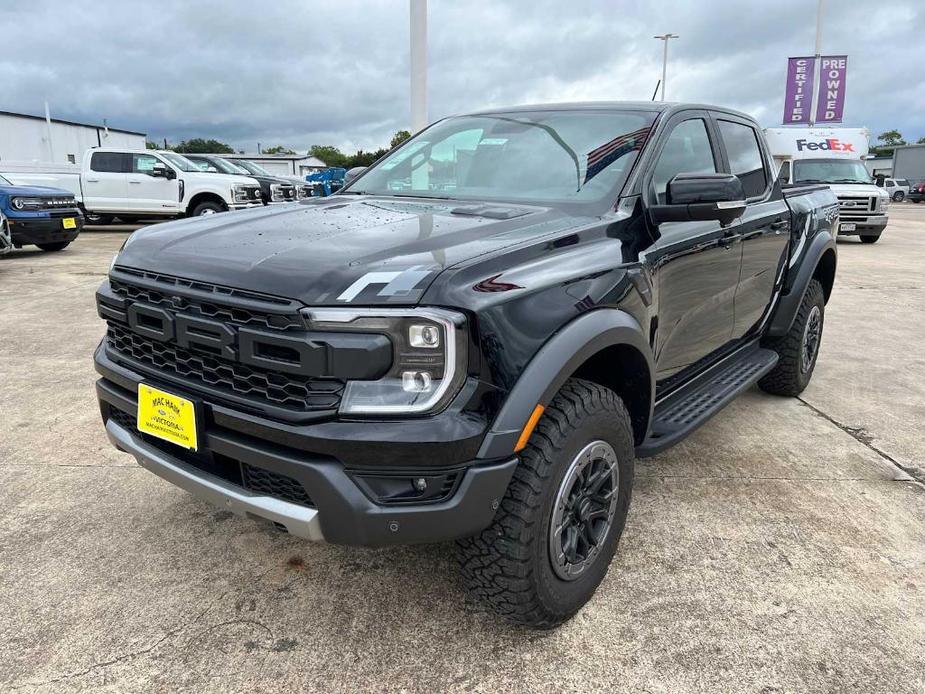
x=665, y=38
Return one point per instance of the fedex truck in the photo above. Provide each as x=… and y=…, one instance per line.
x=834, y=157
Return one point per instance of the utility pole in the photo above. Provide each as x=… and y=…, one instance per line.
x=817, y=69
x=418, y=11
x=51, y=147
x=666, y=38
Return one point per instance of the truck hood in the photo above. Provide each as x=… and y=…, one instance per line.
x=857, y=189
x=43, y=191
x=337, y=250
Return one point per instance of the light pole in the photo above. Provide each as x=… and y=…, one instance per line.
x=817, y=64
x=665, y=38
x=418, y=11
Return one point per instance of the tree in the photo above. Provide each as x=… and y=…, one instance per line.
x=920, y=141
x=398, y=138
x=151, y=145
x=889, y=141
x=329, y=154
x=198, y=145
x=279, y=149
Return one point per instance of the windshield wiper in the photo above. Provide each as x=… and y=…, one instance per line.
x=848, y=180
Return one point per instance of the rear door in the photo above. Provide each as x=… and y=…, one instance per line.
x=696, y=265
x=764, y=229
x=105, y=185
x=149, y=193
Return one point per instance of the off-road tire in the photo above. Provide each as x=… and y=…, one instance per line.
x=788, y=377
x=870, y=239
x=53, y=247
x=508, y=566
x=207, y=207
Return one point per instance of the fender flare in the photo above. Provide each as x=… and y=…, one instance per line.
x=789, y=304
x=554, y=363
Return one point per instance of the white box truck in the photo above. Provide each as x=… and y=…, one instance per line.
x=834, y=157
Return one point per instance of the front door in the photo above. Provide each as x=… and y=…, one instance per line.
x=150, y=193
x=696, y=264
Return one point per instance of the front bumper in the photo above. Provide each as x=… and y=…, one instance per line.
x=869, y=226
x=244, y=205
x=31, y=231
x=330, y=469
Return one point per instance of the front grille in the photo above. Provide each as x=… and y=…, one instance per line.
x=855, y=206
x=269, y=483
x=208, y=309
x=282, y=390
x=237, y=472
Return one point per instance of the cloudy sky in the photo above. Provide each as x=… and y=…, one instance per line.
x=299, y=73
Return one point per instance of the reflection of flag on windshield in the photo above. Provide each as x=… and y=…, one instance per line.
x=605, y=155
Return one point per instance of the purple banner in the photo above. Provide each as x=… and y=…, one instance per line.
x=832, y=73
x=799, y=96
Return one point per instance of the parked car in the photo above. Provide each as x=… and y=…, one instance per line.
x=303, y=189
x=377, y=369
x=834, y=157
x=896, y=188
x=272, y=188
x=37, y=216
x=917, y=192
x=135, y=184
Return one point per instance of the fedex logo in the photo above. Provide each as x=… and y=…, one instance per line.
x=833, y=144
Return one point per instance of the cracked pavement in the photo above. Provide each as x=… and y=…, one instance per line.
x=781, y=548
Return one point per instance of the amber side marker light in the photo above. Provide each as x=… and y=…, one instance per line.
x=528, y=428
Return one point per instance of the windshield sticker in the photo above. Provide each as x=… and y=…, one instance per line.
x=404, y=154
x=493, y=141
x=605, y=155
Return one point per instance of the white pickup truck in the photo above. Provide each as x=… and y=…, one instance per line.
x=136, y=184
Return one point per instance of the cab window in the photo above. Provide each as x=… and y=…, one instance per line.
x=745, y=160
x=143, y=163
x=106, y=162
x=687, y=150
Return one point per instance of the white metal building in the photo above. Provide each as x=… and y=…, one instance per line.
x=24, y=138
x=879, y=166
x=283, y=164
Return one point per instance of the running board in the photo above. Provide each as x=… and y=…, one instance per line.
x=692, y=405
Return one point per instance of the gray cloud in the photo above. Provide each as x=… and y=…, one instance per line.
x=301, y=73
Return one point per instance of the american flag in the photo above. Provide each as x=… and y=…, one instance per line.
x=605, y=155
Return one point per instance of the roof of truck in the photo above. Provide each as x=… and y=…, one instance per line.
x=660, y=106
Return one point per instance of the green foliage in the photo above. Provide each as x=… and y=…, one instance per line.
x=198, y=145
x=399, y=137
x=329, y=154
x=891, y=138
x=920, y=141
x=279, y=149
x=151, y=145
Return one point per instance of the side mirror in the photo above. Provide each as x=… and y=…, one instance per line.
x=701, y=197
x=161, y=170
x=352, y=174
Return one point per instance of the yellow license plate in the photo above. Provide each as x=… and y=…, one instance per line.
x=167, y=416
x=69, y=223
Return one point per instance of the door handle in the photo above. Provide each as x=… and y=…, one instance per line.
x=135, y=183
x=779, y=225
x=93, y=180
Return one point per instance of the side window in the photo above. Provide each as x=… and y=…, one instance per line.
x=745, y=159
x=143, y=163
x=106, y=162
x=686, y=151
x=784, y=173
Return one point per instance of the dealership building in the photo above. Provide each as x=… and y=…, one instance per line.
x=28, y=138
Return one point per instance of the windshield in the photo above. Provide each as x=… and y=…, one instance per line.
x=179, y=161
x=228, y=167
x=541, y=156
x=252, y=167
x=830, y=171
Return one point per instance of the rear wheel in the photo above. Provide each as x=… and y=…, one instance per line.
x=799, y=348
x=52, y=247
x=899, y=196
x=870, y=239
x=558, y=526
x=98, y=219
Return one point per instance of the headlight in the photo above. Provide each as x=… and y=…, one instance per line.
x=239, y=192
x=23, y=203
x=428, y=363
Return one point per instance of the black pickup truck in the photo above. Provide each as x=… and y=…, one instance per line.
x=556, y=291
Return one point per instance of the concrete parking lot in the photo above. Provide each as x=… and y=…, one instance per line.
x=779, y=549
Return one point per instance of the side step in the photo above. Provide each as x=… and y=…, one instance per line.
x=689, y=407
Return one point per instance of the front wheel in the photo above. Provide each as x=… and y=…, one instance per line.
x=899, y=196
x=52, y=247
x=207, y=208
x=558, y=526
x=869, y=239
x=799, y=348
